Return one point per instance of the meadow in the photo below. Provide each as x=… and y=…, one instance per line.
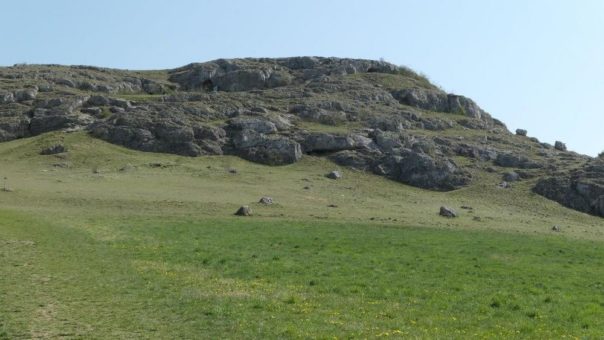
x=105, y=242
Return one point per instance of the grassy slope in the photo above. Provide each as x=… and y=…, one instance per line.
x=156, y=252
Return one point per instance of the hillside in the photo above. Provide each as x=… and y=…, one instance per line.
x=119, y=193
x=367, y=115
x=102, y=241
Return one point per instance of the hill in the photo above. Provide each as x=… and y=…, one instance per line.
x=120, y=188
x=101, y=241
x=368, y=115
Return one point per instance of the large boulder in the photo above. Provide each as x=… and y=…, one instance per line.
x=272, y=151
x=325, y=142
x=512, y=160
x=581, y=189
x=439, y=101
x=422, y=170
x=26, y=94
x=230, y=75
x=256, y=124
x=426, y=99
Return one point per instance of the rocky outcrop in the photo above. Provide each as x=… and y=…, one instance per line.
x=511, y=160
x=368, y=115
x=253, y=74
x=436, y=100
x=581, y=189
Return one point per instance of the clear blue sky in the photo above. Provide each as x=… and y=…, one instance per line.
x=535, y=64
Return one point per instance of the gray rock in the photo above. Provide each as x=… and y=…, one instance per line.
x=354, y=159
x=6, y=97
x=325, y=142
x=319, y=115
x=556, y=229
x=521, y=132
x=44, y=120
x=272, y=151
x=447, y=212
x=256, y=124
x=436, y=100
x=559, y=146
x=475, y=151
x=65, y=82
x=581, y=189
x=244, y=211
x=53, y=150
x=422, y=170
x=95, y=111
x=266, y=200
x=206, y=132
x=432, y=100
x=464, y=106
x=511, y=176
x=504, y=185
x=26, y=94
x=334, y=175
x=510, y=160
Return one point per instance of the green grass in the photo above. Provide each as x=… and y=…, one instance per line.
x=155, y=252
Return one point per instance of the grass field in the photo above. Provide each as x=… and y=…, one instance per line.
x=104, y=242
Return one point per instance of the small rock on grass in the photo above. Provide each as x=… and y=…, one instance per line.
x=53, y=150
x=447, y=212
x=266, y=200
x=334, y=175
x=244, y=211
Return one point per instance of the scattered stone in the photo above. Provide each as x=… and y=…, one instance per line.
x=332, y=206
x=556, y=229
x=504, y=185
x=466, y=207
x=232, y=170
x=126, y=168
x=306, y=188
x=521, y=132
x=244, y=211
x=559, y=146
x=53, y=150
x=447, y=212
x=266, y=200
x=334, y=175
x=477, y=218
x=511, y=176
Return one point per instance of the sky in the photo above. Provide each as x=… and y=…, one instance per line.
x=534, y=64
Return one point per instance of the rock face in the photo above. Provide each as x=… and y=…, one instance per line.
x=424, y=171
x=254, y=74
x=367, y=115
x=510, y=160
x=581, y=189
x=436, y=100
